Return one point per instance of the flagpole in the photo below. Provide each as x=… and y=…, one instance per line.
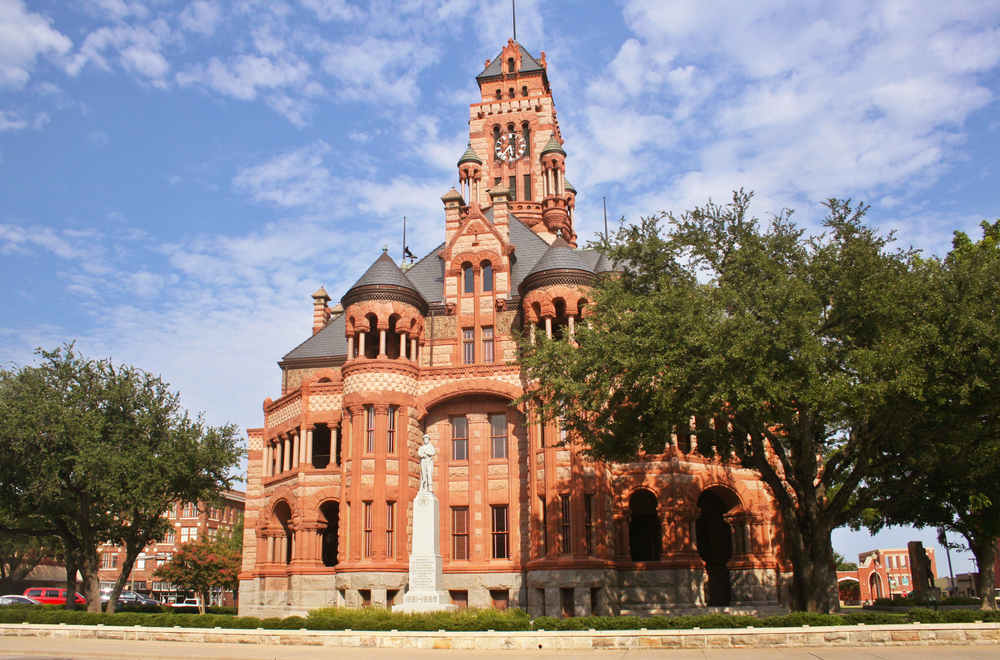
x=403, y=260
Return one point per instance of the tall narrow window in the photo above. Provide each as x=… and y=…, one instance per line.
x=588, y=512
x=527, y=187
x=524, y=90
x=487, y=344
x=469, y=346
x=487, y=276
x=501, y=532
x=513, y=188
x=459, y=439
x=510, y=65
x=390, y=529
x=460, y=533
x=368, y=529
x=499, y=95
x=545, y=524
x=526, y=134
x=498, y=436
x=390, y=439
x=567, y=517
x=468, y=279
x=510, y=93
x=370, y=429
x=496, y=181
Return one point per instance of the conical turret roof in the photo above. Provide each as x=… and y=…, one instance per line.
x=553, y=146
x=470, y=156
x=384, y=281
x=559, y=260
x=569, y=186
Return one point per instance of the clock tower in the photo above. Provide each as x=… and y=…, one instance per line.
x=514, y=142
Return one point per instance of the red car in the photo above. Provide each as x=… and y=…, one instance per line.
x=50, y=596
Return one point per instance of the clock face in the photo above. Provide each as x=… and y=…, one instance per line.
x=510, y=147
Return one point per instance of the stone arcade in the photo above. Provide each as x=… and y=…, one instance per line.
x=334, y=513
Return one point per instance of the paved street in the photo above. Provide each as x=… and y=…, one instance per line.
x=79, y=649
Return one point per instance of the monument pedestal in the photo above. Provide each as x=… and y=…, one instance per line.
x=426, y=592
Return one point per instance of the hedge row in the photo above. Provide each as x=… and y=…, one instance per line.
x=476, y=620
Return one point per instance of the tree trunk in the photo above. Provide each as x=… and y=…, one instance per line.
x=90, y=563
x=811, y=551
x=202, y=599
x=126, y=569
x=984, y=551
x=70, y=581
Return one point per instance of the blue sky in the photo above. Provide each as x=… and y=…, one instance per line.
x=176, y=177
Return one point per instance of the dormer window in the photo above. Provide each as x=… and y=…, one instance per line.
x=510, y=65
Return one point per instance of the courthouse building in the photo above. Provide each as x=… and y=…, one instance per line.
x=430, y=347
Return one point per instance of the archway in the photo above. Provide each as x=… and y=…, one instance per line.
x=281, y=514
x=875, y=586
x=329, y=512
x=645, y=535
x=715, y=545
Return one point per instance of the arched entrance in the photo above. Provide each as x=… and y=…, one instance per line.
x=875, y=586
x=715, y=544
x=283, y=547
x=329, y=513
x=645, y=536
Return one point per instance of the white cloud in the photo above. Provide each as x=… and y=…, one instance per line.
x=139, y=49
x=23, y=37
x=201, y=17
x=799, y=102
x=328, y=10
x=378, y=69
x=243, y=76
x=295, y=178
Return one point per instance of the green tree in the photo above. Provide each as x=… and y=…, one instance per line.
x=947, y=473
x=202, y=566
x=794, y=354
x=842, y=563
x=96, y=454
x=21, y=553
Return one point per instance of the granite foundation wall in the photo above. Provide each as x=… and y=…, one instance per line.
x=952, y=634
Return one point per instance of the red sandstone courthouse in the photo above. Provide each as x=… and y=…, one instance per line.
x=430, y=348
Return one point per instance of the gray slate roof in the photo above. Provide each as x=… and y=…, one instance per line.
x=426, y=277
x=384, y=271
x=496, y=67
x=560, y=256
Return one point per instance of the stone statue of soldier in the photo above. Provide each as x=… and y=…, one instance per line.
x=426, y=454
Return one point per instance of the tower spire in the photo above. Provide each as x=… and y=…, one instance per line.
x=513, y=14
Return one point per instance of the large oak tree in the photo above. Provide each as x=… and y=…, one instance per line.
x=796, y=355
x=95, y=454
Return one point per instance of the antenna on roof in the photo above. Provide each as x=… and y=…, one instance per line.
x=513, y=12
x=605, y=217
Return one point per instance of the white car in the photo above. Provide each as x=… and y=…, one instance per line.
x=17, y=600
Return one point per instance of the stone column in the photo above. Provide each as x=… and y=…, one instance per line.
x=381, y=342
x=267, y=459
x=350, y=347
x=548, y=327
x=286, y=455
x=361, y=344
x=413, y=350
x=296, y=449
x=402, y=345
x=309, y=446
x=572, y=326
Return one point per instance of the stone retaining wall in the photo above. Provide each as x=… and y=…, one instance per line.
x=861, y=635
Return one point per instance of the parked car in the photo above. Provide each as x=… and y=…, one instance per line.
x=14, y=599
x=51, y=596
x=189, y=602
x=128, y=598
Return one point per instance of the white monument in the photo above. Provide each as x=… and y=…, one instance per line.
x=426, y=593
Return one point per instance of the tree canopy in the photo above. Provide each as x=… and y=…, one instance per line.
x=96, y=453
x=946, y=468
x=794, y=354
x=202, y=566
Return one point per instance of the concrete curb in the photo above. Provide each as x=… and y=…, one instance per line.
x=743, y=638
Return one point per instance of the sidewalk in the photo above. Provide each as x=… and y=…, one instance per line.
x=85, y=649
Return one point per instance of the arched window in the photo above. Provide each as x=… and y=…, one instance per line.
x=715, y=545
x=487, y=276
x=329, y=513
x=526, y=134
x=392, y=339
x=496, y=132
x=372, y=337
x=499, y=94
x=468, y=279
x=510, y=65
x=524, y=90
x=645, y=535
x=510, y=93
